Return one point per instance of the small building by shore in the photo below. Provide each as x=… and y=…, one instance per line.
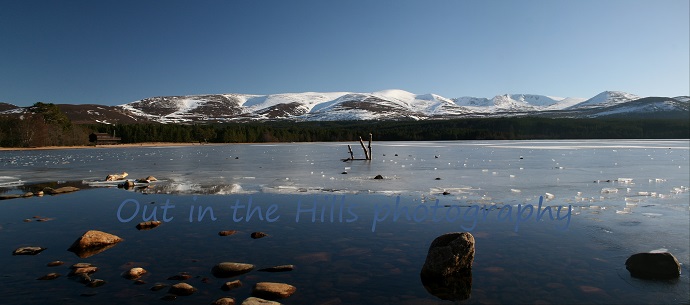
x=102, y=138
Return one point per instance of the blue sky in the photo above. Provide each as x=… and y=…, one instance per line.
x=115, y=52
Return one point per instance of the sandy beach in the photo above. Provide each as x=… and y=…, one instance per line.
x=146, y=144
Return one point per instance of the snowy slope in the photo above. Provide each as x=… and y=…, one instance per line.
x=517, y=102
x=606, y=99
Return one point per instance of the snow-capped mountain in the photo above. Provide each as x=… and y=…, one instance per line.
x=606, y=99
x=381, y=105
x=517, y=102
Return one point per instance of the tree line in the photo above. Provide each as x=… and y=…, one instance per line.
x=524, y=128
x=48, y=126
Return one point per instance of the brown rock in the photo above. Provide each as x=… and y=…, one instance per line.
x=281, y=268
x=182, y=289
x=95, y=283
x=81, y=265
x=28, y=250
x=83, y=270
x=449, y=254
x=231, y=285
x=126, y=185
x=9, y=196
x=93, y=242
x=60, y=190
x=269, y=290
x=180, y=277
x=115, y=177
x=28, y=194
x=653, y=266
x=158, y=286
x=258, y=301
x=257, y=235
x=224, y=301
x=55, y=263
x=148, y=225
x=49, y=276
x=134, y=273
x=148, y=179
x=230, y=269
x=227, y=232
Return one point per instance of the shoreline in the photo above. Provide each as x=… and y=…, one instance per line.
x=127, y=145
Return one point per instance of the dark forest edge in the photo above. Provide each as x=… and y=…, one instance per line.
x=50, y=127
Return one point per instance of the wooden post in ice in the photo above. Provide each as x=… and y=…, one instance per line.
x=366, y=152
x=369, y=154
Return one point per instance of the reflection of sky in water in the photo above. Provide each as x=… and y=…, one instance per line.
x=627, y=197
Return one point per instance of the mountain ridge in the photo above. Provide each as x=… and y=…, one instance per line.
x=392, y=104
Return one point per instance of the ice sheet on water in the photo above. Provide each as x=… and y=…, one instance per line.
x=11, y=183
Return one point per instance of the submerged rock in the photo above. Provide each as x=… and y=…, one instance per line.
x=81, y=265
x=653, y=266
x=257, y=235
x=258, y=301
x=148, y=225
x=55, y=263
x=281, y=268
x=224, y=301
x=231, y=285
x=230, y=269
x=227, y=232
x=134, y=273
x=182, y=289
x=28, y=250
x=158, y=286
x=82, y=278
x=269, y=290
x=95, y=283
x=180, y=277
x=49, y=276
x=93, y=242
x=83, y=270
